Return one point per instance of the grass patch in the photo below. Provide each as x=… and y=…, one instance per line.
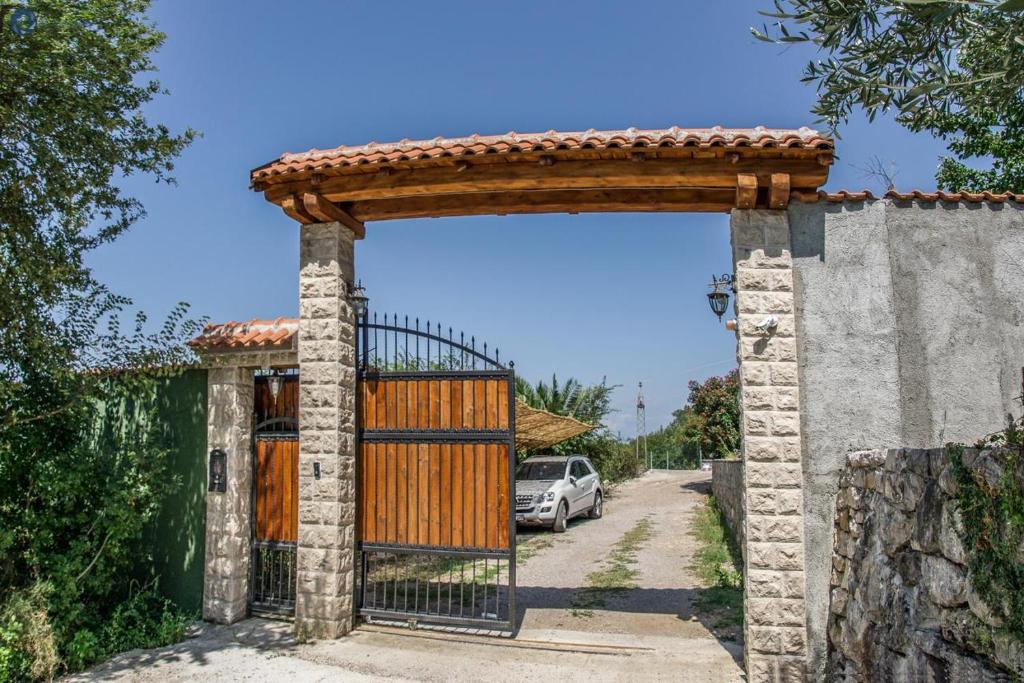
x=618, y=573
x=526, y=549
x=717, y=564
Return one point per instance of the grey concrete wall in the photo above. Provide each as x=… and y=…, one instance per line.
x=909, y=333
x=727, y=487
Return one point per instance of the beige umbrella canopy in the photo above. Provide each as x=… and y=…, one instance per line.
x=537, y=429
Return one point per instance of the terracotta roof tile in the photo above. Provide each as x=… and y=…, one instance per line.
x=552, y=140
x=252, y=334
x=938, y=195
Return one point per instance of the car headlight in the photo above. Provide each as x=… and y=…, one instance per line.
x=544, y=497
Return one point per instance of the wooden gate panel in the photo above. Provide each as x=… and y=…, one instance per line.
x=442, y=495
x=277, y=484
x=428, y=405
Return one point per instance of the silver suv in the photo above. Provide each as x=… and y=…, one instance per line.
x=552, y=489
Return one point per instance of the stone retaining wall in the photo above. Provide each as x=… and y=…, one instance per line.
x=727, y=487
x=902, y=605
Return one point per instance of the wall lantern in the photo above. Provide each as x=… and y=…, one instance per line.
x=218, y=471
x=360, y=302
x=274, y=384
x=718, y=299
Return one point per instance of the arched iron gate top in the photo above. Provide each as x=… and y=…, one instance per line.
x=390, y=344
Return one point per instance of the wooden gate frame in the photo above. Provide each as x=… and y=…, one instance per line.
x=397, y=432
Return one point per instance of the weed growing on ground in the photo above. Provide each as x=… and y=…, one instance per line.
x=717, y=564
x=526, y=549
x=618, y=573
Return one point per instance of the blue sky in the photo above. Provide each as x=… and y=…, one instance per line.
x=602, y=295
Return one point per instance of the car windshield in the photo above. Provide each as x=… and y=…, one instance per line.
x=540, y=471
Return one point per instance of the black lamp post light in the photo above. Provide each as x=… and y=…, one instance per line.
x=718, y=298
x=359, y=300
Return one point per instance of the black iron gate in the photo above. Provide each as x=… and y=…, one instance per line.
x=435, y=477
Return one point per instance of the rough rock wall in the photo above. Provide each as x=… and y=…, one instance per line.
x=727, y=487
x=902, y=605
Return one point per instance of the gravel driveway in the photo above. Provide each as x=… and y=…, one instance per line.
x=646, y=632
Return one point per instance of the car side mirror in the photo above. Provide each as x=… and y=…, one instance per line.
x=572, y=480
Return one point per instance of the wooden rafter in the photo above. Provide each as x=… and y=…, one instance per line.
x=778, y=192
x=746, y=191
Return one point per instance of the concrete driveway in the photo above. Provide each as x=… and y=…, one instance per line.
x=577, y=624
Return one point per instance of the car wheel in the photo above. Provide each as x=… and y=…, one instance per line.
x=598, y=508
x=561, y=517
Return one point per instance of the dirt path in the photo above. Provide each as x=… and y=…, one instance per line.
x=650, y=632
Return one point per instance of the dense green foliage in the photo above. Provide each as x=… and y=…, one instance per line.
x=992, y=526
x=75, y=497
x=713, y=414
x=954, y=68
x=614, y=460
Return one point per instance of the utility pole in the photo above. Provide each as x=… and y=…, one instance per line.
x=641, y=427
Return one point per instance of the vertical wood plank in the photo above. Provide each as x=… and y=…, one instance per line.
x=423, y=501
x=458, y=511
x=391, y=403
x=381, y=497
x=492, y=404
x=380, y=410
x=456, y=404
x=468, y=495
x=369, y=405
x=390, y=490
x=503, y=416
x=435, y=404
x=273, y=491
x=412, y=495
x=445, y=392
x=480, y=404
x=410, y=405
x=492, y=495
x=423, y=404
x=467, y=404
x=402, y=492
x=480, y=495
x=370, y=470
x=434, y=489
x=446, y=494
x=503, y=496
x=261, y=494
x=401, y=398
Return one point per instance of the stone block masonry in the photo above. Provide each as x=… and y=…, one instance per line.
x=327, y=403
x=902, y=605
x=727, y=487
x=228, y=532
x=776, y=636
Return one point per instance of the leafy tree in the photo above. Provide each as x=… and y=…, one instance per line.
x=714, y=414
x=73, y=501
x=954, y=68
x=587, y=404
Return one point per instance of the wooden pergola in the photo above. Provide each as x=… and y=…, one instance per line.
x=674, y=169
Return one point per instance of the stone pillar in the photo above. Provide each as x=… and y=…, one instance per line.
x=776, y=636
x=327, y=401
x=228, y=514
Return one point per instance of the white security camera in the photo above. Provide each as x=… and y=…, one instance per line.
x=768, y=324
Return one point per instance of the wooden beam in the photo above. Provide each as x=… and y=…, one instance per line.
x=778, y=192
x=550, y=201
x=746, y=191
x=295, y=210
x=326, y=212
x=594, y=174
